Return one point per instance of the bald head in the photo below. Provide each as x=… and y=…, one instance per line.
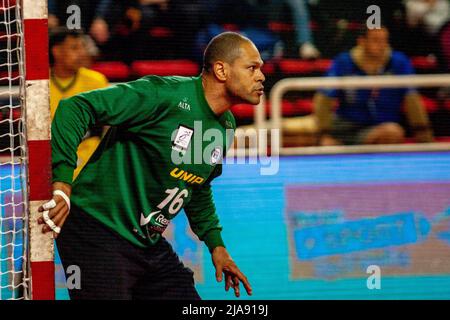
x=224, y=47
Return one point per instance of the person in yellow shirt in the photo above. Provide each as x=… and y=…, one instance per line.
x=68, y=77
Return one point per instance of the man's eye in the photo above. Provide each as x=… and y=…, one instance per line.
x=252, y=68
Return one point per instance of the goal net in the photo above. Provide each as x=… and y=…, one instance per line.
x=23, y=104
x=13, y=174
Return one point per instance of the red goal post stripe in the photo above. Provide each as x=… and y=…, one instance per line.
x=37, y=109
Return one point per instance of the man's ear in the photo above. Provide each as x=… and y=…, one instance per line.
x=220, y=70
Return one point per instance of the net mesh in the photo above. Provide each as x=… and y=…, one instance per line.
x=13, y=195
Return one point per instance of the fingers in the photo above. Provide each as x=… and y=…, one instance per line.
x=232, y=282
x=59, y=220
x=239, y=276
x=57, y=212
x=55, y=235
x=56, y=219
x=228, y=282
x=219, y=271
x=236, y=286
x=60, y=205
x=47, y=206
x=245, y=282
x=50, y=225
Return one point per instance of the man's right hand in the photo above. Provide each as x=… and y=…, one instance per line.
x=327, y=140
x=60, y=212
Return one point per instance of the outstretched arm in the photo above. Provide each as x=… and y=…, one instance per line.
x=204, y=222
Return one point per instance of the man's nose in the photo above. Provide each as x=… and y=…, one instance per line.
x=261, y=77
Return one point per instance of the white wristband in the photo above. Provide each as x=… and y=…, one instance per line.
x=63, y=195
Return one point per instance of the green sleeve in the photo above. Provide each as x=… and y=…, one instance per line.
x=202, y=216
x=127, y=105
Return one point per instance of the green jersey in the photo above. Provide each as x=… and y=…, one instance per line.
x=164, y=147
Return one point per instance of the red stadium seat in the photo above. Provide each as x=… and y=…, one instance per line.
x=278, y=26
x=113, y=70
x=160, y=32
x=355, y=26
x=5, y=113
x=304, y=106
x=17, y=113
x=431, y=105
x=13, y=38
x=246, y=111
x=299, y=66
x=436, y=139
x=165, y=67
x=443, y=139
x=288, y=108
x=322, y=65
x=230, y=27
x=5, y=77
x=427, y=63
x=447, y=105
x=296, y=66
x=268, y=68
x=243, y=111
x=313, y=25
x=9, y=4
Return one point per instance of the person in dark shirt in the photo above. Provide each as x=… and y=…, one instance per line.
x=370, y=116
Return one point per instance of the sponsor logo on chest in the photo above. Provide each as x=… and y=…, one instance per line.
x=184, y=104
x=215, y=155
x=182, y=138
x=186, y=176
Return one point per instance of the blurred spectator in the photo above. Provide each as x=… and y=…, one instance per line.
x=424, y=20
x=92, y=51
x=304, y=38
x=68, y=77
x=444, y=46
x=429, y=14
x=148, y=29
x=429, y=21
x=187, y=19
x=53, y=20
x=133, y=13
x=370, y=116
x=338, y=22
x=248, y=17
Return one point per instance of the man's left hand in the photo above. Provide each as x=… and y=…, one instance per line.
x=224, y=264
